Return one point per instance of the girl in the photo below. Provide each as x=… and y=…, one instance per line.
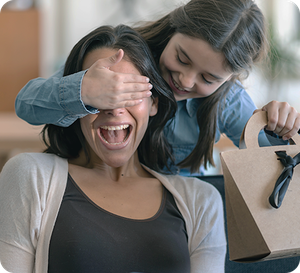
x=89, y=205
x=203, y=49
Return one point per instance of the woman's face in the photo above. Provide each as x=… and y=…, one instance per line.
x=192, y=68
x=114, y=135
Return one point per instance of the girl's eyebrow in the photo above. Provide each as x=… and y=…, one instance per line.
x=187, y=56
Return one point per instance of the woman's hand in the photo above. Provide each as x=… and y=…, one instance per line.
x=104, y=89
x=283, y=119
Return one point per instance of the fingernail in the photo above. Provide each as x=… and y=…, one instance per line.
x=149, y=93
x=150, y=86
x=147, y=80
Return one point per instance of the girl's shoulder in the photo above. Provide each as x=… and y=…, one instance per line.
x=238, y=97
x=236, y=90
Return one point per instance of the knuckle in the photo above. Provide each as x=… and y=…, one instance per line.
x=272, y=120
x=133, y=96
x=112, y=58
x=117, y=77
x=293, y=111
x=288, y=136
x=112, y=102
x=286, y=104
x=273, y=102
x=280, y=125
x=135, y=87
x=289, y=127
x=118, y=88
x=128, y=104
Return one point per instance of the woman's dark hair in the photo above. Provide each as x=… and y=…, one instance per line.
x=234, y=27
x=154, y=151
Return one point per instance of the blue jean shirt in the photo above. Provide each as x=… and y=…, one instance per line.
x=57, y=100
x=183, y=131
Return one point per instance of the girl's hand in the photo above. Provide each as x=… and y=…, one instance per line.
x=104, y=89
x=283, y=119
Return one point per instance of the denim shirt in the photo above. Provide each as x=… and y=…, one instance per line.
x=182, y=132
x=57, y=100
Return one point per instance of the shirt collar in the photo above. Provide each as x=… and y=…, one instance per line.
x=192, y=106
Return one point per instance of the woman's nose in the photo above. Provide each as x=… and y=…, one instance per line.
x=187, y=80
x=114, y=112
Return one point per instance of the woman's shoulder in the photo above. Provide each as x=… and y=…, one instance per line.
x=36, y=168
x=193, y=187
x=27, y=161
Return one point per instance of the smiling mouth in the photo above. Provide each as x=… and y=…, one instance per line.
x=176, y=87
x=115, y=135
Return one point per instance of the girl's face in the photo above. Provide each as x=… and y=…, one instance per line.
x=114, y=135
x=192, y=68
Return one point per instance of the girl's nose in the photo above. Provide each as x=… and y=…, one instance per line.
x=114, y=112
x=187, y=80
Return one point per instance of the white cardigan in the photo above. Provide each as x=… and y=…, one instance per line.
x=32, y=186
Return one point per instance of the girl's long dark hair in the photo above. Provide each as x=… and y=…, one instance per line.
x=234, y=27
x=154, y=151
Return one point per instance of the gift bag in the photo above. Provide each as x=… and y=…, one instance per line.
x=262, y=195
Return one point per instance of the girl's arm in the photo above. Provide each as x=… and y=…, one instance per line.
x=283, y=119
x=55, y=100
x=234, y=114
x=61, y=100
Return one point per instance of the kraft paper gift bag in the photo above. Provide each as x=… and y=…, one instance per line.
x=262, y=193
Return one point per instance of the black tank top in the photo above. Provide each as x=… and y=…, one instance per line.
x=87, y=238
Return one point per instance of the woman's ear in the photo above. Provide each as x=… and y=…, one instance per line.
x=154, y=107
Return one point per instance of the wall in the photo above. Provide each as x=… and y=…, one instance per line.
x=64, y=22
x=19, y=53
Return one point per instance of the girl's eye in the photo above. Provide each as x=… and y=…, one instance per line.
x=206, y=81
x=180, y=61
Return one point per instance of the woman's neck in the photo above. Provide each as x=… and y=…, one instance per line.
x=132, y=168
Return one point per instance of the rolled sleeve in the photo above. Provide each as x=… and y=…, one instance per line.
x=56, y=100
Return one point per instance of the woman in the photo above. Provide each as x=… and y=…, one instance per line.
x=203, y=49
x=89, y=205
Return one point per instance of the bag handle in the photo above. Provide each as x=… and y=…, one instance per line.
x=249, y=137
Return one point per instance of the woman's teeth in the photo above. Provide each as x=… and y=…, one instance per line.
x=114, y=135
x=115, y=128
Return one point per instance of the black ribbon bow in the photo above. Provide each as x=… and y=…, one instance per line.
x=284, y=179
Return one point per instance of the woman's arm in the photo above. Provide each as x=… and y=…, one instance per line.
x=61, y=100
x=19, y=220
x=208, y=237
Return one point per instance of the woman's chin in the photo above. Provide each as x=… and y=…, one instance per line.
x=116, y=162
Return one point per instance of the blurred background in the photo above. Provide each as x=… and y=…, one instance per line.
x=37, y=35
